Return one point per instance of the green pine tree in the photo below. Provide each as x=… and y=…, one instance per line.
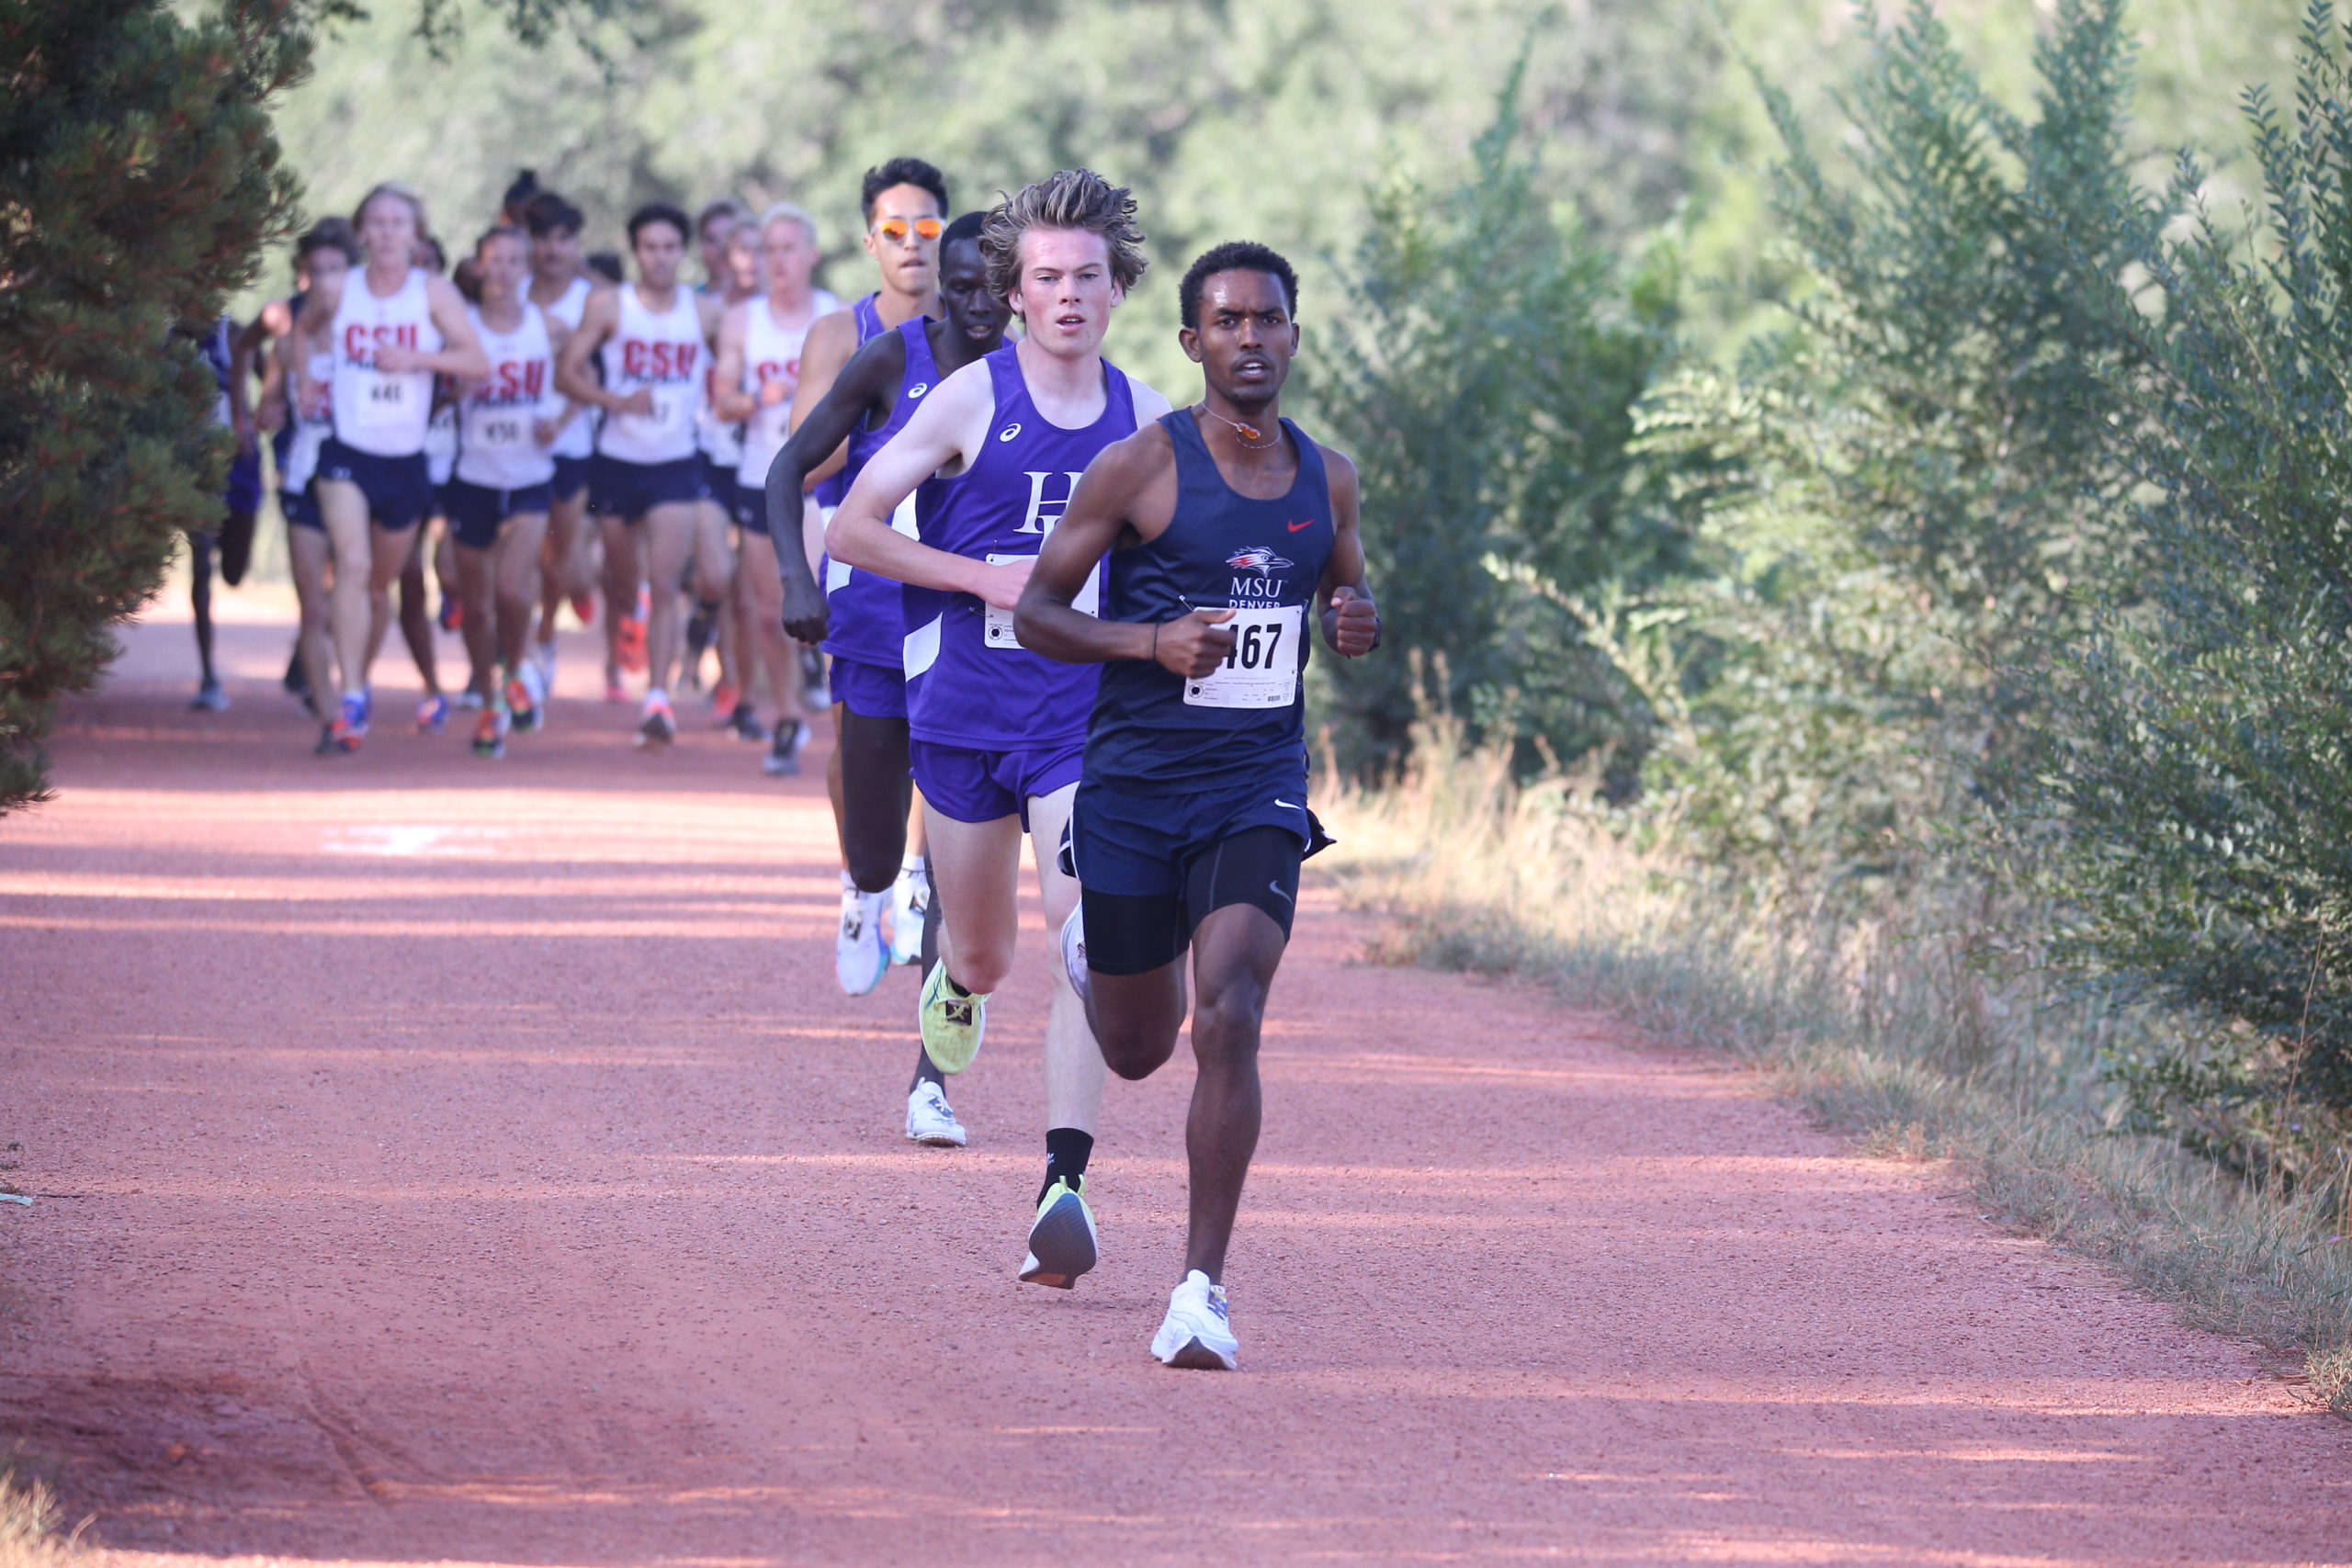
x=139, y=182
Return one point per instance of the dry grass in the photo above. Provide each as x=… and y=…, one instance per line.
x=1882, y=1027
x=27, y=1524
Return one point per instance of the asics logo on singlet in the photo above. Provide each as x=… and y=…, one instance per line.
x=1257, y=559
x=920, y=388
x=1008, y=433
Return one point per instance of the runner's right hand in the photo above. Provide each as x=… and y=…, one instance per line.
x=1001, y=585
x=639, y=402
x=1191, y=646
x=805, y=617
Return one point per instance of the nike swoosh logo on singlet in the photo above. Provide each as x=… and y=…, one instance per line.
x=1285, y=804
x=1294, y=528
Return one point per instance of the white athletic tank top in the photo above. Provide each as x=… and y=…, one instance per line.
x=301, y=463
x=772, y=354
x=382, y=414
x=441, y=442
x=579, y=436
x=497, y=447
x=721, y=443
x=664, y=353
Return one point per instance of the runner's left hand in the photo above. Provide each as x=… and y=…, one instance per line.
x=1355, y=623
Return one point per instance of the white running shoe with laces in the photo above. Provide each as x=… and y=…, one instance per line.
x=860, y=956
x=929, y=1119
x=1196, y=1331
x=910, y=900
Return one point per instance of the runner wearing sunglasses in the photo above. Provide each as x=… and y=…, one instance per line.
x=905, y=202
x=874, y=395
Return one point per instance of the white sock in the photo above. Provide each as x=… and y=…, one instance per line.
x=655, y=695
x=911, y=866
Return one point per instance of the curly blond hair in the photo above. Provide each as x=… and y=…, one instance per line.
x=1077, y=199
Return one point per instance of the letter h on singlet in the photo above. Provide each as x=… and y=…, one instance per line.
x=1044, y=512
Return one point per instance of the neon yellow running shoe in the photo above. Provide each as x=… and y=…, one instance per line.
x=1061, y=1238
x=953, y=1025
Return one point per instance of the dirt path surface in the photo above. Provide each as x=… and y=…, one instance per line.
x=466, y=1161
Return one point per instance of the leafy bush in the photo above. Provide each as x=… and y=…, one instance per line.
x=1909, y=472
x=1484, y=378
x=2192, y=795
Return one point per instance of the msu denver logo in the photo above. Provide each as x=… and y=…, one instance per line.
x=1257, y=559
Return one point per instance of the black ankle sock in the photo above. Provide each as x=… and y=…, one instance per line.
x=926, y=1071
x=1066, y=1149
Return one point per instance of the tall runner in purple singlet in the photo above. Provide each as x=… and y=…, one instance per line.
x=905, y=205
x=875, y=394
x=646, y=479
x=996, y=731
x=1228, y=530
x=756, y=381
x=386, y=330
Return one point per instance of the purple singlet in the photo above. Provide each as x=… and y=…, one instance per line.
x=861, y=609
x=969, y=682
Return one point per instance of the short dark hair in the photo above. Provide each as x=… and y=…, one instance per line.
x=329, y=234
x=605, y=265
x=967, y=228
x=900, y=172
x=1233, y=255
x=519, y=194
x=546, y=212
x=1077, y=199
x=660, y=212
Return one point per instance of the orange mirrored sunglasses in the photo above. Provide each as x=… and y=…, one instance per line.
x=895, y=228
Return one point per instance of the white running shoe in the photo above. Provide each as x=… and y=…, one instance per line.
x=929, y=1120
x=860, y=956
x=1062, y=1243
x=1195, y=1332
x=1074, y=954
x=910, y=899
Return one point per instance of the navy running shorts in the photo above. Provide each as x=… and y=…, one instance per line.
x=1152, y=867
x=571, y=478
x=478, y=511
x=399, y=490
x=869, y=691
x=751, y=510
x=302, y=509
x=718, y=484
x=617, y=488
x=969, y=785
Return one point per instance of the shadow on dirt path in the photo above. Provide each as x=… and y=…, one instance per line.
x=457, y=1161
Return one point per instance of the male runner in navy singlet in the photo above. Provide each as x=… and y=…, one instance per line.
x=995, y=731
x=1228, y=530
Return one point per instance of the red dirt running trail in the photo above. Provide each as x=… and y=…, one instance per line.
x=449, y=1160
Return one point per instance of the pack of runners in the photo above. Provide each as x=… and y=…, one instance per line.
x=1049, y=605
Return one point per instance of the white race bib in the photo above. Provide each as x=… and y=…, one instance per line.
x=674, y=413
x=508, y=430
x=1261, y=671
x=999, y=630
x=386, y=403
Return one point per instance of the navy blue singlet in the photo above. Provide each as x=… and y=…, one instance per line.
x=1153, y=731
